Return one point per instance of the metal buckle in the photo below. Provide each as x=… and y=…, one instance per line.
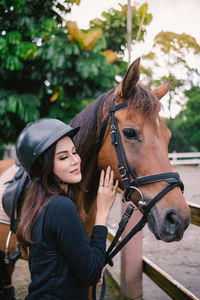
x=141, y=202
x=122, y=173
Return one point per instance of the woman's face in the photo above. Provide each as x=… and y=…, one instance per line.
x=67, y=162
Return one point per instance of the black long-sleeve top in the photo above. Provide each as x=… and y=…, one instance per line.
x=64, y=262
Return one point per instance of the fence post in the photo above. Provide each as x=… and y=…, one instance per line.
x=174, y=159
x=131, y=260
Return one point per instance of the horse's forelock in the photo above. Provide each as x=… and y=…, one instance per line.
x=145, y=101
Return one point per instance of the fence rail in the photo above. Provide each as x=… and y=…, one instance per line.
x=195, y=213
x=169, y=285
x=185, y=158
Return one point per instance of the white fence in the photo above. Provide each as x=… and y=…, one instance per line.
x=187, y=158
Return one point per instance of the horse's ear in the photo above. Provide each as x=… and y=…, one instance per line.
x=126, y=86
x=162, y=90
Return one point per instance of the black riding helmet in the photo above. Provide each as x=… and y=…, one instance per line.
x=37, y=136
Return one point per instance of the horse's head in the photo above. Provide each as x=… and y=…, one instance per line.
x=145, y=140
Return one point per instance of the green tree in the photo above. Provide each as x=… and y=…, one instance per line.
x=185, y=127
x=41, y=72
x=173, y=52
x=113, y=25
x=46, y=68
x=177, y=142
x=190, y=116
x=25, y=25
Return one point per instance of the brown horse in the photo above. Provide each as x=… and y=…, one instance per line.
x=145, y=141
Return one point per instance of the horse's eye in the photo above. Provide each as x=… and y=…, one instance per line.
x=131, y=134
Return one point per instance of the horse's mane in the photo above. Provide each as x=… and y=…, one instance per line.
x=89, y=122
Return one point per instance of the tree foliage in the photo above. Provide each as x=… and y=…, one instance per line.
x=23, y=24
x=174, y=50
x=190, y=116
x=47, y=69
x=113, y=25
x=173, y=53
x=178, y=55
x=185, y=127
x=42, y=73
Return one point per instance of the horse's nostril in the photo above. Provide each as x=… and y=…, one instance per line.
x=172, y=222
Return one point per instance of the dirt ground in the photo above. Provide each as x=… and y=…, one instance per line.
x=180, y=259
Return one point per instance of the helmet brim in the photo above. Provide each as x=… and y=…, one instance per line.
x=73, y=132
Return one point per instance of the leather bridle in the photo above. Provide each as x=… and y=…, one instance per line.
x=126, y=172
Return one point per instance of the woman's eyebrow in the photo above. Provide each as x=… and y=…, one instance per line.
x=64, y=151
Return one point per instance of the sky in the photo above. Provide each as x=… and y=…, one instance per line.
x=180, y=16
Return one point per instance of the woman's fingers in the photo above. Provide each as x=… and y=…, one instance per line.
x=101, y=279
x=116, y=185
x=106, y=196
x=107, y=177
x=111, y=179
x=101, y=181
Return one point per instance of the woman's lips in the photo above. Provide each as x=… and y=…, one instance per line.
x=76, y=171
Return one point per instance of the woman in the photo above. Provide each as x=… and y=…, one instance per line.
x=63, y=261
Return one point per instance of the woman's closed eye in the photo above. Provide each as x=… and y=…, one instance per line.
x=64, y=157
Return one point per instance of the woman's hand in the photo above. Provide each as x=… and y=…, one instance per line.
x=106, y=196
x=101, y=278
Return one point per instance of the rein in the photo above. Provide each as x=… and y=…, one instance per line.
x=126, y=172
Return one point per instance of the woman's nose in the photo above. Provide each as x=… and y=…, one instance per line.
x=74, y=159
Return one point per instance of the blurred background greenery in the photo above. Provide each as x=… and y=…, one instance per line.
x=49, y=67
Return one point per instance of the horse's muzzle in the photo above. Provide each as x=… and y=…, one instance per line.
x=170, y=228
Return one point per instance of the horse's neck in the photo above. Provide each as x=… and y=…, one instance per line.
x=90, y=177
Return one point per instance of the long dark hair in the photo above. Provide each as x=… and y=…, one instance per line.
x=44, y=185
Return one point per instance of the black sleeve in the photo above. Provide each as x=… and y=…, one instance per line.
x=85, y=256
